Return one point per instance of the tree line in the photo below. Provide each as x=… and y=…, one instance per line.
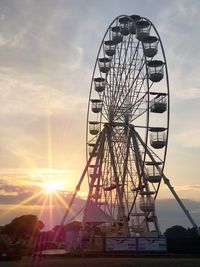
x=26, y=228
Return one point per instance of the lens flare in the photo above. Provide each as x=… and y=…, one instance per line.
x=52, y=186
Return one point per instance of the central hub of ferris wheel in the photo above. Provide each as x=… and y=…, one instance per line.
x=127, y=131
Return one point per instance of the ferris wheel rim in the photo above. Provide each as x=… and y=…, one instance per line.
x=146, y=80
x=166, y=73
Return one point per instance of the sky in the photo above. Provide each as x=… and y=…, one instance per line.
x=47, y=52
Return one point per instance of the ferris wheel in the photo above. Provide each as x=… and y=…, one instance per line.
x=128, y=121
x=127, y=130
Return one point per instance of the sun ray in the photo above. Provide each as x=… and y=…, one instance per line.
x=49, y=141
x=43, y=207
x=39, y=216
x=27, y=159
x=23, y=202
x=61, y=200
x=50, y=211
x=37, y=242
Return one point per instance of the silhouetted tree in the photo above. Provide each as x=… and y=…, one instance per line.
x=23, y=227
x=182, y=240
x=192, y=232
x=176, y=231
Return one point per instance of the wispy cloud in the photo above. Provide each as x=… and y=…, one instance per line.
x=189, y=187
x=47, y=55
x=181, y=40
x=170, y=213
x=188, y=138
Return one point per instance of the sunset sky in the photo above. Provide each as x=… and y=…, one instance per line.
x=47, y=53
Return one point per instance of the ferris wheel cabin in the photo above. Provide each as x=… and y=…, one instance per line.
x=91, y=149
x=147, y=202
x=94, y=127
x=124, y=22
x=100, y=84
x=132, y=23
x=158, y=138
x=96, y=105
x=152, y=175
x=109, y=48
x=116, y=35
x=158, y=103
x=155, y=70
x=150, y=46
x=104, y=64
x=142, y=30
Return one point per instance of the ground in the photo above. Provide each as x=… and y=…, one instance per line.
x=106, y=262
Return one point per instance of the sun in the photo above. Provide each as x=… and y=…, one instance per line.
x=52, y=186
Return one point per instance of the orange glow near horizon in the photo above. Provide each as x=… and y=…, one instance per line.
x=49, y=199
x=47, y=188
x=24, y=202
x=50, y=179
x=44, y=188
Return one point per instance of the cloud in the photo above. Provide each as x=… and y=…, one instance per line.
x=17, y=189
x=189, y=93
x=40, y=73
x=191, y=187
x=20, y=195
x=49, y=209
x=55, y=47
x=17, y=198
x=181, y=42
x=14, y=191
x=47, y=55
x=170, y=213
x=188, y=138
x=40, y=65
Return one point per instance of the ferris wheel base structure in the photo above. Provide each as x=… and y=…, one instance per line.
x=127, y=133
